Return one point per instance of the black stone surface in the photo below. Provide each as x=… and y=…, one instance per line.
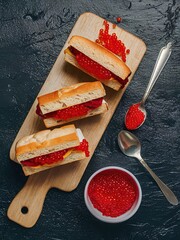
x=32, y=33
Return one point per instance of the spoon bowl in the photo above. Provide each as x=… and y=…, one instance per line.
x=131, y=146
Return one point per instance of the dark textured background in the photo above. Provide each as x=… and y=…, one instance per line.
x=32, y=34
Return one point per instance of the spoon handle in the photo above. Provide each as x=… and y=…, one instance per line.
x=164, y=188
x=162, y=58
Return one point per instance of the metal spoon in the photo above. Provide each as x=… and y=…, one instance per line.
x=162, y=59
x=130, y=146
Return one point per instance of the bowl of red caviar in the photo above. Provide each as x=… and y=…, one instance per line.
x=112, y=194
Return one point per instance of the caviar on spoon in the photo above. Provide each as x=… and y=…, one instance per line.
x=136, y=115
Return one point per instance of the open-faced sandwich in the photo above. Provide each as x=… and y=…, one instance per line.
x=71, y=103
x=51, y=148
x=98, y=62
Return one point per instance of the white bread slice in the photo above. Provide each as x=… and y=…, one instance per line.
x=100, y=55
x=48, y=141
x=70, y=96
x=51, y=122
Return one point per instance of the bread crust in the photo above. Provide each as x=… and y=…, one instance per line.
x=100, y=55
x=71, y=95
x=47, y=141
x=65, y=137
x=47, y=144
x=51, y=122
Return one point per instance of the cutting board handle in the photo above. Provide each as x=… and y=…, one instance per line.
x=27, y=205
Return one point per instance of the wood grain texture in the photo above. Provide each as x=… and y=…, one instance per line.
x=62, y=74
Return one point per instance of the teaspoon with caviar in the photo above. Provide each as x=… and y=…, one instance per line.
x=136, y=115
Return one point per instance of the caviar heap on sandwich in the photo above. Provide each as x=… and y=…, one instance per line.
x=99, y=60
x=50, y=148
x=71, y=103
x=111, y=42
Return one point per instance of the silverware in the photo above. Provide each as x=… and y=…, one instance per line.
x=131, y=146
x=162, y=59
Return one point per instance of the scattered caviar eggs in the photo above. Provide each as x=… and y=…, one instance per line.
x=113, y=194
x=111, y=41
x=119, y=19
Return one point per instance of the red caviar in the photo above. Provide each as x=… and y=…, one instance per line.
x=134, y=117
x=73, y=111
x=113, y=192
x=127, y=51
x=119, y=19
x=55, y=156
x=95, y=69
x=114, y=25
x=111, y=42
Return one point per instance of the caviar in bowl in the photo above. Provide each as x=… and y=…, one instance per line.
x=113, y=194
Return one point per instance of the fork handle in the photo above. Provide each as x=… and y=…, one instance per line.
x=162, y=59
x=164, y=188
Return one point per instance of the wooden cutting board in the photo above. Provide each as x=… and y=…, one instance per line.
x=26, y=207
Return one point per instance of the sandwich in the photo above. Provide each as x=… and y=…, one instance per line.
x=50, y=148
x=71, y=103
x=98, y=62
